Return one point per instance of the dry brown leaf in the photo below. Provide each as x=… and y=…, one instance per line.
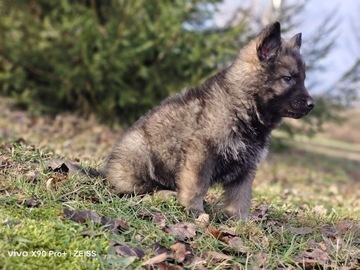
x=222, y=235
x=127, y=251
x=32, y=202
x=114, y=224
x=48, y=183
x=31, y=176
x=5, y=162
x=157, y=248
x=64, y=167
x=329, y=231
x=301, y=230
x=6, y=146
x=312, y=258
x=356, y=241
x=261, y=213
x=215, y=256
x=181, y=251
x=259, y=260
x=82, y=216
x=56, y=177
x=156, y=259
x=319, y=209
x=317, y=245
x=237, y=244
x=167, y=266
x=159, y=220
x=345, y=226
x=58, y=165
x=203, y=220
x=228, y=230
x=214, y=232
x=182, y=230
x=196, y=263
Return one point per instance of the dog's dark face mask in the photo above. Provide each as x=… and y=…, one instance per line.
x=284, y=94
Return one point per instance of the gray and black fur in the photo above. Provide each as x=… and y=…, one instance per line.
x=217, y=132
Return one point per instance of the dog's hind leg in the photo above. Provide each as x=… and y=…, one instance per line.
x=127, y=167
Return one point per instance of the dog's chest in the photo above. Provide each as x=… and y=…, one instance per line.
x=239, y=155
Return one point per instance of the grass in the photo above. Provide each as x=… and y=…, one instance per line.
x=305, y=213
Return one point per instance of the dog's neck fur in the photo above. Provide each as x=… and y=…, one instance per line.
x=242, y=80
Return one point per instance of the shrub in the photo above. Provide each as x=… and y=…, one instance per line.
x=115, y=59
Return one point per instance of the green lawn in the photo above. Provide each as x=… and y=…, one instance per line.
x=305, y=215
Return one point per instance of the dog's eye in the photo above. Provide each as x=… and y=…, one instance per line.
x=287, y=79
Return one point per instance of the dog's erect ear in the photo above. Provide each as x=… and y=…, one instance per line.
x=269, y=42
x=295, y=41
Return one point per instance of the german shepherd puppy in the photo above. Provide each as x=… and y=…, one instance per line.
x=217, y=132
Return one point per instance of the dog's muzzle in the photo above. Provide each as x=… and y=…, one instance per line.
x=299, y=107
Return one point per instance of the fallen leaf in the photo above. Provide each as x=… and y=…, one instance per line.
x=56, y=177
x=139, y=237
x=6, y=146
x=301, y=230
x=180, y=251
x=166, y=266
x=82, y=216
x=182, y=230
x=317, y=245
x=5, y=162
x=58, y=165
x=237, y=244
x=119, y=262
x=345, y=226
x=215, y=256
x=203, y=220
x=11, y=223
x=114, y=224
x=319, y=209
x=261, y=213
x=159, y=220
x=156, y=259
x=329, y=231
x=127, y=251
x=259, y=260
x=49, y=183
x=196, y=263
x=31, y=176
x=312, y=259
x=31, y=202
x=62, y=166
x=195, y=245
x=145, y=214
x=214, y=232
x=223, y=236
x=159, y=249
x=228, y=230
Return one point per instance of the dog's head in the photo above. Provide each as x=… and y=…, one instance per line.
x=280, y=75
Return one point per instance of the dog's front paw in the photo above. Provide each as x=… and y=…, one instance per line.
x=236, y=214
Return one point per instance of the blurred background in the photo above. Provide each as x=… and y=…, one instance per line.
x=74, y=72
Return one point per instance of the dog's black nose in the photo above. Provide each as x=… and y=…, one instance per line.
x=310, y=103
